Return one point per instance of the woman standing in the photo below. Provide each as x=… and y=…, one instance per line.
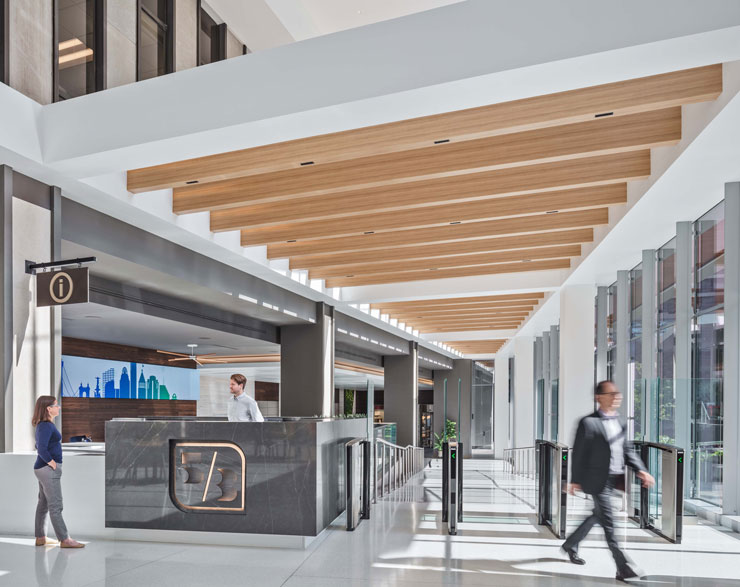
x=48, y=470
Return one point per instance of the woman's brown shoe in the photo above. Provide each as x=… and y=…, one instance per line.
x=41, y=541
x=44, y=541
x=69, y=543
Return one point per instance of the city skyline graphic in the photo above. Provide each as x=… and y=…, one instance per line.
x=102, y=378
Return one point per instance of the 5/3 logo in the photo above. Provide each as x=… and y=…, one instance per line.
x=207, y=476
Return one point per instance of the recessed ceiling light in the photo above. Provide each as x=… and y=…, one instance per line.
x=92, y=316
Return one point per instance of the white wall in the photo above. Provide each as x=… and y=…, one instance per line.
x=523, y=433
x=31, y=326
x=501, y=405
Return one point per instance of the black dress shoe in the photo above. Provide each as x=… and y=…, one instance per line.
x=627, y=573
x=573, y=556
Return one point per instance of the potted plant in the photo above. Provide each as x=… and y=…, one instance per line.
x=450, y=433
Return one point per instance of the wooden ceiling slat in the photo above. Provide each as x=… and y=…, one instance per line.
x=461, y=313
x=476, y=345
x=427, y=216
x=621, y=98
x=463, y=328
x=445, y=317
x=563, y=237
x=421, y=325
x=583, y=172
x=524, y=306
x=448, y=273
x=472, y=186
x=557, y=252
x=462, y=300
x=441, y=234
x=594, y=138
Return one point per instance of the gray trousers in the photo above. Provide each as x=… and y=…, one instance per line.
x=50, y=502
x=604, y=516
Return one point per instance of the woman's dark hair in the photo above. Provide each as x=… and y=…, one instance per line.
x=41, y=412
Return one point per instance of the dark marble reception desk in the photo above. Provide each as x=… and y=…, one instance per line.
x=210, y=475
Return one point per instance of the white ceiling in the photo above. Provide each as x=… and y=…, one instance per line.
x=311, y=18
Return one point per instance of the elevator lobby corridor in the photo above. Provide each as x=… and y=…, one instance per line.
x=403, y=544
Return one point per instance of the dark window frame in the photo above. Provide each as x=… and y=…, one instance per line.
x=4, y=41
x=169, y=29
x=222, y=34
x=100, y=43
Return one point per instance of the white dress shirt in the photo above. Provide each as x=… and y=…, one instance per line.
x=242, y=408
x=615, y=435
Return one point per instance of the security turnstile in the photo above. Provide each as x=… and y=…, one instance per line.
x=452, y=485
x=552, y=486
x=659, y=508
x=357, y=480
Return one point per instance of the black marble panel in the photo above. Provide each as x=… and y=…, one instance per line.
x=214, y=476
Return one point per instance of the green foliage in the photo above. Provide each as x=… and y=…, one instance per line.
x=450, y=433
x=349, y=401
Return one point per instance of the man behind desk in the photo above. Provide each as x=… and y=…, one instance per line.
x=242, y=408
x=600, y=452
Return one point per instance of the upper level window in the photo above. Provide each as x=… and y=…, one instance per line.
x=211, y=39
x=156, y=51
x=79, y=48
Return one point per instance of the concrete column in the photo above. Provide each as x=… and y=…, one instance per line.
x=731, y=384
x=462, y=370
x=55, y=328
x=649, y=346
x=500, y=405
x=602, y=310
x=307, y=366
x=524, y=392
x=684, y=287
x=6, y=309
x=575, y=397
x=538, y=404
x=401, y=395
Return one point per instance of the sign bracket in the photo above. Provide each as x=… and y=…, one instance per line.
x=32, y=267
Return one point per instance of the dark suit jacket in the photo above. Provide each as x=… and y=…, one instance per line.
x=592, y=453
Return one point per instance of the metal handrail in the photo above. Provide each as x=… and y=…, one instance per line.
x=521, y=461
x=395, y=465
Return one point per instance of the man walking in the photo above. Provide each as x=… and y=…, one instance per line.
x=242, y=408
x=600, y=453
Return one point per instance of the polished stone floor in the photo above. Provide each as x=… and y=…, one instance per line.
x=404, y=544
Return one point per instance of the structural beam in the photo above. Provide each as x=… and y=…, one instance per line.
x=620, y=98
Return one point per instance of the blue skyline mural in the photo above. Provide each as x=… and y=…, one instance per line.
x=101, y=378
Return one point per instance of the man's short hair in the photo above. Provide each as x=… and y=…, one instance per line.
x=239, y=379
x=601, y=386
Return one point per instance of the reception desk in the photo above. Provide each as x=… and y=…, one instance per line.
x=281, y=477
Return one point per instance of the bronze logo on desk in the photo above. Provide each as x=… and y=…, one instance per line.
x=207, y=476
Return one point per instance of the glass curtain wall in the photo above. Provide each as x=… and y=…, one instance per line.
x=611, y=331
x=482, y=408
x=156, y=38
x=511, y=400
x=635, y=377
x=554, y=381
x=663, y=392
x=708, y=355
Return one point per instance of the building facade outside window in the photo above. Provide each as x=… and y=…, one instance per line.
x=79, y=48
x=611, y=331
x=156, y=38
x=708, y=356
x=211, y=38
x=663, y=390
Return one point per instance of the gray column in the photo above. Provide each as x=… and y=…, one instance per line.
x=55, y=329
x=552, y=401
x=500, y=404
x=622, y=339
x=401, y=394
x=649, y=343
x=461, y=369
x=307, y=366
x=546, y=396
x=602, y=311
x=524, y=392
x=684, y=259
x=538, y=403
x=6, y=309
x=731, y=427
